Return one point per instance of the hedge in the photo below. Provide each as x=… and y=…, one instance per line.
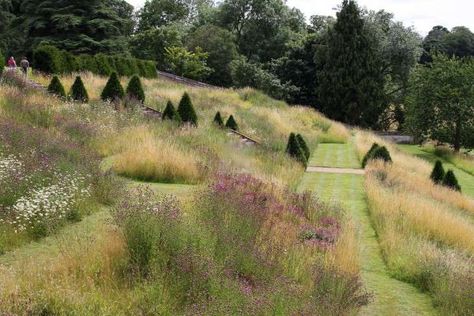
x=52, y=60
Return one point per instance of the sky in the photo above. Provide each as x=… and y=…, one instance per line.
x=422, y=14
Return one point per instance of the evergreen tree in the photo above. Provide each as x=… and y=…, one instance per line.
x=294, y=150
x=135, y=89
x=351, y=85
x=369, y=154
x=56, y=87
x=438, y=173
x=451, y=182
x=381, y=153
x=218, y=119
x=78, y=91
x=231, y=123
x=170, y=112
x=113, y=89
x=186, y=110
x=303, y=146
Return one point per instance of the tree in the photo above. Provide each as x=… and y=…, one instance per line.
x=56, y=87
x=381, y=153
x=78, y=91
x=458, y=42
x=304, y=147
x=113, y=90
x=187, y=64
x=294, y=150
x=438, y=173
x=158, y=13
x=186, y=110
x=351, y=86
x=451, y=182
x=440, y=104
x=231, y=123
x=433, y=43
x=369, y=154
x=170, y=112
x=218, y=119
x=135, y=89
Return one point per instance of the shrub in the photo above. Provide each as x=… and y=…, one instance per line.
x=303, y=146
x=369, y=154
x=78, y=91
x=170, y=112
x=87, y=63
x=381, y=153
x=294, y=150
x=135, y=89
x=186, y=110
x=48, y=59
x=218, y=119
x=451, y=182
x=103, y=65
x=56, y=87
x=438, y=173
x=113, y=89
x=231, y=123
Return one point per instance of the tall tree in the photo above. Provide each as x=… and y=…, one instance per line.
x=351, y=86
x=158, y=13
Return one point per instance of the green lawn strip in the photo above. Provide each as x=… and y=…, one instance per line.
x=335, y=156
x=465, y=179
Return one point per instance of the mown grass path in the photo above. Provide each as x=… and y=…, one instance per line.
x=391, y=297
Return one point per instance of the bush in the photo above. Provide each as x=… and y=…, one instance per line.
x=56, y=87
x=438, y=174
x=113, y=90
x=381, y=153
x=231, y=123
x=294, y=150
x=369, y=154
x=218, y=119
x=186, y=110
x=303, y=146
x=48, y=59
x=78, y=91
x=451, y=182
x=135, y=89
x=170, y=112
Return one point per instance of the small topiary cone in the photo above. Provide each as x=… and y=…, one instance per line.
x=369, y=154
x=381, y=153
x=218, y=119
x=56, y=87
x=186, y=110
x=113, y=90
x=170, y=112
x=135, y=89
x=303, y=146
x=78, y=91
x=438, y=174
x=231, y=123
x=294, y=150
x=451, y=182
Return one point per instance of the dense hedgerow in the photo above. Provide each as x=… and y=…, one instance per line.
x=438, y=173
x=451, y=182
x=369, y=154
x=135, y=89
x=303, y=146
x=218, y=119
x=186, y=110
x=78, y=91
x=113, y=89
x=231, y=123
x=170, y=112
x=50, y=59
x=294, y=149
x=56, y=87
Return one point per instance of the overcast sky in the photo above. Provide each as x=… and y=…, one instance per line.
x=422, y=14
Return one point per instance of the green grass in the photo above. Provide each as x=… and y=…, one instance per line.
x=465, y=179
x=335, y=156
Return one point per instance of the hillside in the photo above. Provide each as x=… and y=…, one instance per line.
x=105, y=210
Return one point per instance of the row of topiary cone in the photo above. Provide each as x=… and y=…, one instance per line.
x=231, y=123
x=184, y=114
x=448, y=179
x=113, y=90
x=298, y=149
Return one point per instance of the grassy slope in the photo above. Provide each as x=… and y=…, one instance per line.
x=391, y=297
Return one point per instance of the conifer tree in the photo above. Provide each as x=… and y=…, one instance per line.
x=218, y=119
x=170, y=112
x=78, y=91
x=381, y=153
x=135, y=89
x=369, y=154
x=294, y=150
x=438, y=173
x=56, y=87
x=451, y=182
x=303, y=146
x=113, y=90
x=186, y=110
x=231, y=123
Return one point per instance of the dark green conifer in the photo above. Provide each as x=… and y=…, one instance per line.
x=218, y=119
x=451, y=182
x=294, y=150
x=135, y=89
x=170, y=112
x=303, y=146
x=56, y=87
x=186, y=110
x=231, y=123
x=381, y=153
x=438, y=174
x=78, y=91
x=369, y=154
x=113, y=90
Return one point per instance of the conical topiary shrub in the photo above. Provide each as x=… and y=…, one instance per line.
x=170, y=112
x=294, y=150
x=303, y=146
x=438, y=173
x=231, y=123
x=381, y=153
x=186, y=110
x=451, y=182
x=135, y=89
x=78, y=91
x=56, y=87
x=113, y=90
x=218, y=119
x=369, y=154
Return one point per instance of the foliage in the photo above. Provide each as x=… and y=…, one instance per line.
x=451, y=181
x=381, y=153
x=186, y=110
x=113, y=90
x=78, y=91
x=218, y=119
x=48, y=59
x=170, y=112
x=231, y=123
x=188, y=64
x=304, y=147
x=458, y=42
x=293, y=149
x=438, y=173
x=135, y=89
x=369, y=154
x=56, y=87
